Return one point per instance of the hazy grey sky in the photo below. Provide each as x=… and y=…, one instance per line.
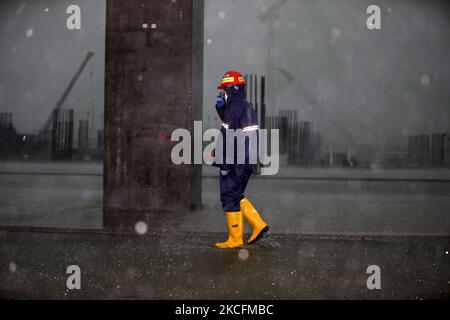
x=392, y=82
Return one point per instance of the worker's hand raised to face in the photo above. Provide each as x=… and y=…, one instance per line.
x=220, y=100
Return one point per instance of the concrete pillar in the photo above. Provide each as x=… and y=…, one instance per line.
x=154, y=76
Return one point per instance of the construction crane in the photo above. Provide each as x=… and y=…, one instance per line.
x=66, y=93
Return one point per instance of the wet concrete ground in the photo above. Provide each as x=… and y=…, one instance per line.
x=186, y=266
x=289, y=205
x=319, y=220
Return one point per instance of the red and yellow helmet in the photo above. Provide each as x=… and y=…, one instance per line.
x=230, y=78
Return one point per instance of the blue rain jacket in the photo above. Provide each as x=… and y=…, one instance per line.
x=237, y=113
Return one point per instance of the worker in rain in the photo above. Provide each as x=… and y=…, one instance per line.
x=238, y=136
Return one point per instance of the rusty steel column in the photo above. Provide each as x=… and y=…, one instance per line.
x=154, y=76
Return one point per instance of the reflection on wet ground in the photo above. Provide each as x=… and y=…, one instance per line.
x=187, y=266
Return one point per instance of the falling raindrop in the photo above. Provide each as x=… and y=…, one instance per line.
x=243, y=254
x=425, y=80
x=222, y=14
x=12, y=267
x=140, y=227
x=29, y=33
x=336, y=32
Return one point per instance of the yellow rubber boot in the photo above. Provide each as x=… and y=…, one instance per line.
x=254, y=220
x=235, y=223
